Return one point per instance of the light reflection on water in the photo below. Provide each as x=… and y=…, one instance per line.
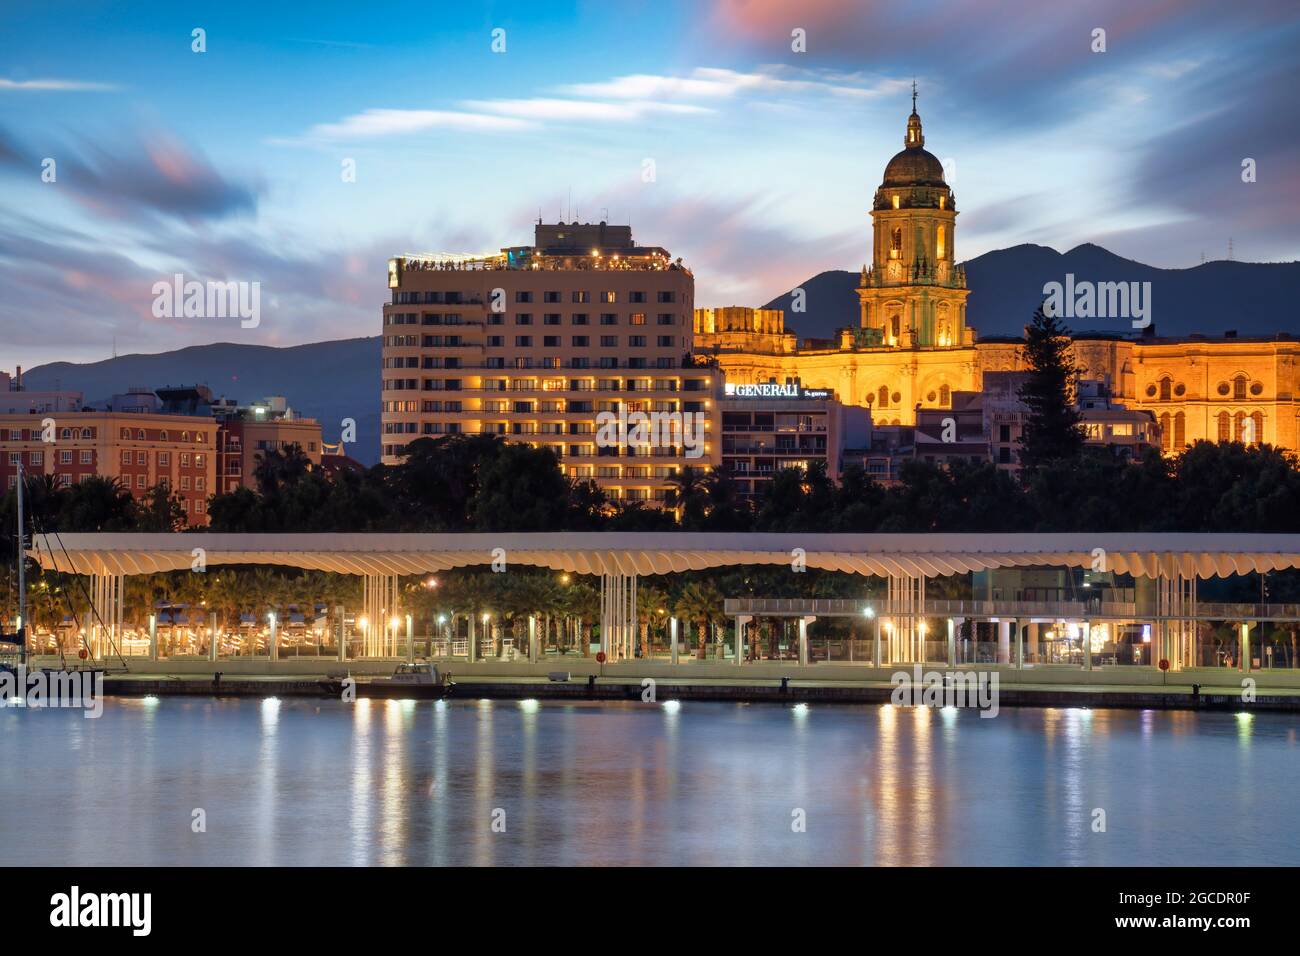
x=305, y=782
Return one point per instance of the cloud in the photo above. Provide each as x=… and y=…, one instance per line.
x=390, y=122
x=150, y=176
x=622, y=99
x=52, y=85
x=580, y=110
x=714, y=83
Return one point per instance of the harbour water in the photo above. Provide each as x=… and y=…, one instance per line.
x=307, y=782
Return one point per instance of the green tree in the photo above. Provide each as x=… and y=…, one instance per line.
x=1052, y=429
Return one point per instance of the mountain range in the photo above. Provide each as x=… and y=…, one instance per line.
x=331, y=381
x=1006, y=285
x=328, y=381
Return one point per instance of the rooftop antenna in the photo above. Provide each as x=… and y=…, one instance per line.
x=1230, y=248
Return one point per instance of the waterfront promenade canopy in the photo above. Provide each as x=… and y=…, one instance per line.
x=1165, y=555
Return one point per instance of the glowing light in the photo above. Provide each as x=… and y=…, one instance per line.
x=868, y=612
x=672, y=706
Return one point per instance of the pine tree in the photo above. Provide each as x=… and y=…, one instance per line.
x=1052, y=431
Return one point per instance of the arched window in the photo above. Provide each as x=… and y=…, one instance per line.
x=140, y=434
x=883, y=400
x=85, y=433
x=1165, y=437
x=1238, y=427
x=896, y=244
x=126, y=433
x=163, y=435
x=1257, y=418
x=939, y=244
x=945, y=395
x=1225, y=426
x=1239, y=388
x=1180, y=431
x=66, y=433
x=1166, y=389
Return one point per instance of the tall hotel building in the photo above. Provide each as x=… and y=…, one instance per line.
x=535, y=343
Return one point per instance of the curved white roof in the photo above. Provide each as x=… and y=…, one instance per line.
x=603, y=552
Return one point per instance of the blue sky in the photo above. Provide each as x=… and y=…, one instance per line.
x=227, y=164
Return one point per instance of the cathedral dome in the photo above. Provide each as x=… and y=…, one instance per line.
x=914, y=166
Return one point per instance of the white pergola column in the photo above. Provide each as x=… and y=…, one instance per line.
x=1243, y=653
x=106, y=613
x=343, y=634
x=532, y=639
x=1020, y=644
x=952, y=642
x=741, y=621
x=1004, y=642
x=618, y=617
x=273, y=646
x=379, y=604
x=803, y=639
x=672, y=631
x=410, y=640
x=905, y=608
x=153, y=637
x=1087, y=645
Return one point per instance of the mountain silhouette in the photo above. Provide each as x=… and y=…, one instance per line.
x=328, y=381
x=1006, y=285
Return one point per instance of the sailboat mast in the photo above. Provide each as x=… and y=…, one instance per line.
x=22, y=572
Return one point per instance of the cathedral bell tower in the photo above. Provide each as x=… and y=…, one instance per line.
x=913, y=295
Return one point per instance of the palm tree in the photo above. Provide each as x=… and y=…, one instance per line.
x=687, y=496
x=651, y=602
x=701, y=602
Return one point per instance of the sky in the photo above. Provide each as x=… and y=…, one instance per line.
x=126, y=156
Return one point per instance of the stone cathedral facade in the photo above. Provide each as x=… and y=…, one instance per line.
x=913, y=348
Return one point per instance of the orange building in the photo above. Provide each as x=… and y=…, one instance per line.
x=137, y=450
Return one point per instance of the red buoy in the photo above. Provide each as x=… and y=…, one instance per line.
x=600, y=657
